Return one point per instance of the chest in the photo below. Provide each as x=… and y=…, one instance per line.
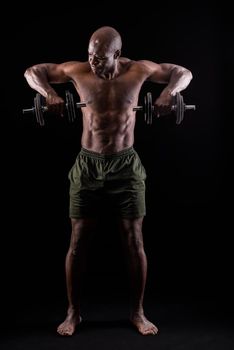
x=116, y=92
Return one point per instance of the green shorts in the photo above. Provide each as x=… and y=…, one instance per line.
x=117, y=179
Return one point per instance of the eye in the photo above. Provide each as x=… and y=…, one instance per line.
x=101, y=58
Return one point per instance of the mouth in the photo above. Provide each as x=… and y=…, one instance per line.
x=96, y=69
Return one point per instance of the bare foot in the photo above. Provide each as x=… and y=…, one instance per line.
x=144, y=326
x=68, y=327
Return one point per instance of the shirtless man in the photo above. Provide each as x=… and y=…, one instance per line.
x=107, y=163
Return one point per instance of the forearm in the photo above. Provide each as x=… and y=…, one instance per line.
x=37, y=79
x=179, y=79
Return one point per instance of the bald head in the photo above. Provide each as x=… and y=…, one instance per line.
x=106, y=38
x=104, y=52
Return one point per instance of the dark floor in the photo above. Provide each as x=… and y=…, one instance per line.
x=188, y=324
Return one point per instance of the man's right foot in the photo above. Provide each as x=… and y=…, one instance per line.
x=68, y=327
x=143, y=325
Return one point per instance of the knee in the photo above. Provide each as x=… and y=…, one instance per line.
x=133, y=239
x=132, y=234
x=77, y=237
x=74, y=245
x=135, y=242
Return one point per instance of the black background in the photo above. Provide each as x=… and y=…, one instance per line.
x=189, y=224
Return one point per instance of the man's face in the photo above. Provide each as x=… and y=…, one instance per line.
x=101, y=59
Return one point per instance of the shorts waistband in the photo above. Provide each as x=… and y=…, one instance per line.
x=124, y=152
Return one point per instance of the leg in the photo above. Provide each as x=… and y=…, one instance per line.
x=131, y=230
x=74, y=266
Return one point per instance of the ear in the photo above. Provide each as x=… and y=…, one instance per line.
x=117, y=54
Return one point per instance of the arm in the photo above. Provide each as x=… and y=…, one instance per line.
x=176, y=77
x=41, y=76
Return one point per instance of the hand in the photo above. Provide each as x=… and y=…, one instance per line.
x=55, y=104
x=162, y=105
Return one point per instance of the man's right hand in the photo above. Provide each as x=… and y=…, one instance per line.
x=55, y=104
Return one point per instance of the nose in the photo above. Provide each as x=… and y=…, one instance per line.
x=93, y=61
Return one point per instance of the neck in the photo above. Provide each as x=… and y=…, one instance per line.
x=112, y=73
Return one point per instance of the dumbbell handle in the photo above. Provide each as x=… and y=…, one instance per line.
x=45, y=108
x=173, y=107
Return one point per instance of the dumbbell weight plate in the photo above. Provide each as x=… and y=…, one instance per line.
x=148, y=110
x=39, y=101
x=70, y=104
x=179, y=108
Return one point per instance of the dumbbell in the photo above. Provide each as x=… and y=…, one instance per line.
x=178, y=106
x=40, y=108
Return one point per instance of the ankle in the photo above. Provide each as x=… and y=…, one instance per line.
x=137, y=312
x=73, y=311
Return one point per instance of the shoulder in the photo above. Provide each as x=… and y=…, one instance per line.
x=144, y=66
x=75, y=66
x=148, y=66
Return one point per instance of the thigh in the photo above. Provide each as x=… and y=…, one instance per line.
x=82, y=227
x=126, y=187
x=131, y=227
x=85, y=187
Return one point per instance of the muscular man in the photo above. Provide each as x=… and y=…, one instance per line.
x=107, y=164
